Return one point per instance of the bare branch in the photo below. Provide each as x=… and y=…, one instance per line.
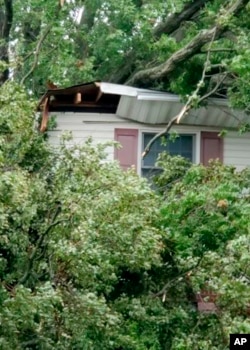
x=211, y=92
x=201, y=82
x=179, y=277
x=39, y=243
x=184, y=111
x=176, y=119
x=37, y=52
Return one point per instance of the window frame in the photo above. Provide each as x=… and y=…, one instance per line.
x=195, y=146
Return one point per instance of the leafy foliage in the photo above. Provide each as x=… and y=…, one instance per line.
x=92, y=258
x=207, y=239
x=76, y=234
x=81, y=41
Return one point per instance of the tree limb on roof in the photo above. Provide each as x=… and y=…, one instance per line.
x=146, y=77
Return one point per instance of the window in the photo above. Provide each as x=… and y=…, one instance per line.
x=183, y=145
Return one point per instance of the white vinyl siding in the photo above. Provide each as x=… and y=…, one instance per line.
x=101, y=127
x=83, y=125
x=237, y=150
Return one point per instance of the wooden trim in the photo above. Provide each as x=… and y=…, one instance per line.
x=78, y=98
x=45, y=115
x=99, y=95
x=80, y=104
x=78, y=108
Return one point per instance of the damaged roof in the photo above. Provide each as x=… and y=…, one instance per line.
x=140, y=105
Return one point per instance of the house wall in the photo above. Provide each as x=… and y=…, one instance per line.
x=83, y=125
x=237, y=150
x=102, y=128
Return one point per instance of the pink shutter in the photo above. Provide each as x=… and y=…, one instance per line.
x=211, y=147
x=127, y=155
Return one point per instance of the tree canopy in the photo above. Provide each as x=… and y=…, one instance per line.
x=90, y=256
x=169, y=45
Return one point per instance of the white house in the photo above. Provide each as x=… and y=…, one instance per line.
x=133, y=116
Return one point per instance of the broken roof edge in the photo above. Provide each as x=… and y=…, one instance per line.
x=125, y=90
x=69, y=89
x=105, y=87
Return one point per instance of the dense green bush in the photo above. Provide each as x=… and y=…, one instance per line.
x=205, y=216
x=78, y=239
x=92, y=258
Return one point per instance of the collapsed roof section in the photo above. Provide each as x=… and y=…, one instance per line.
x=96, y=97
x=79, y=98
x=140, y=105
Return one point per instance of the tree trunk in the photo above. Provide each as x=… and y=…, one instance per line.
x=174, y=21
x=6, y=17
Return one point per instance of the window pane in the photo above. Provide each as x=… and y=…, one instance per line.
x=150, y=172
x=182, y=145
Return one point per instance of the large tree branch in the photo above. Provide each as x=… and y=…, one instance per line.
x=179, y=278
x=193, y=98
x=146, y=77
x=6, y=19
x=183, y=112
x=173, y=21
x=40, y=42
x=37, y=52
x=170, y=25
